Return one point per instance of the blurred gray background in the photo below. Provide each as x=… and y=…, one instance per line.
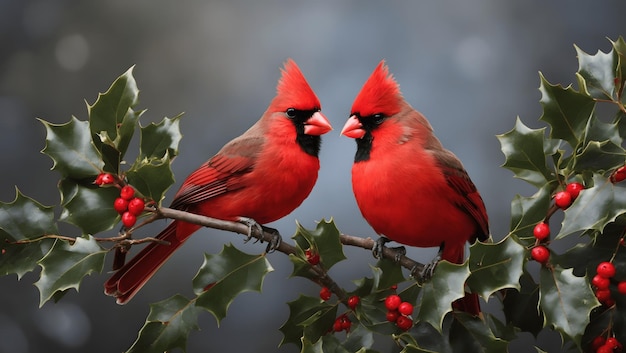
x=470, y=66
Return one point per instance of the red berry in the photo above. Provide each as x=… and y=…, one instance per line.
x=614, y=344
x=136, y=206
x=353, y=301
x=563, y=199
x=393, y=315
x=618, y=175
x=345, y=323
x=405, y=308
x=603, y=295
x=128, y=219
x=604, y=349
x=325, y=293
x=394, y=287
x=104, y=179
x=541, y=231
x=127, y=192
x=540, y=254
x=574, y=189
x=120, y=205
x=621, y=287
x=606, y=269
x=312, y=257
x=600, y=282
x=404, y=323
x=337, y=326
x=392, y=302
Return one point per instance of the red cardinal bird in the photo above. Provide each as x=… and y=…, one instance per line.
x=408, y=187
x=260, y=176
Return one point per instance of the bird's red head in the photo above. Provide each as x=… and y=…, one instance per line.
x=293, y=91
x=379, y=95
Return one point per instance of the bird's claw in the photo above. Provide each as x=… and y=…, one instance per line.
x=379, y=246
x=429, y=269
x=275, y=242
x=251, y=223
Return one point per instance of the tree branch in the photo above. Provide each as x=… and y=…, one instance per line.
x=365, y=243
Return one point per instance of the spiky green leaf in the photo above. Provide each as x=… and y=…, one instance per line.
x=446, y=286
x=71, y=149
x=225, y=275
x=596, y=73
x=167, y=327
x=526, y=212
x=112, y=120
x=152, y=178
x=160, y=140
x=88, y=207
x=566, y=110
x=566, y=301
x=309, y=318
x=65, y=265
x=495, y=266
x=24, y=218
x=525, y=154
x=595, y=207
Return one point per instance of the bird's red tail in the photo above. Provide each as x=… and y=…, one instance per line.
x=129, y=279
x=469, y=303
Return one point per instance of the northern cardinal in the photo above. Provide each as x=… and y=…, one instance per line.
x=409, y=188
x=260, y=176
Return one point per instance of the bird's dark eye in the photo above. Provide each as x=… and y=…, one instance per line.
x=291, y=112
x=378, y=118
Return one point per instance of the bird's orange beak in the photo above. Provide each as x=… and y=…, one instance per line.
x=353, y=128
x=317, y=124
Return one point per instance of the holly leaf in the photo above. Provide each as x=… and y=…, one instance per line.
x=446, y=286
x=112, y=120
x=71, y=149
x=88, y=207
x=525, y=153
x=566, y=110
x=521, y=307
x=598, y=156
x=65, y=265
x=595, y=207
x=160, y=140
x=167, y=327
x=495, y=266
x=225, y=275
x=24, y=218
x=309, y=318
x=386, y=274
x=152, y=178
x=471, y=334
x=526, y=212
x=566, y=301
x=323, y=240
x=596, y=73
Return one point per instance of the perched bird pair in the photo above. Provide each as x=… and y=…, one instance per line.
x=409, y=188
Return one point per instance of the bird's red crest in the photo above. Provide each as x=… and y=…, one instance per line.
x=293, y=91
x=380, y=94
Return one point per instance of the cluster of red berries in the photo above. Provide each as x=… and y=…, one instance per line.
x=399, y=312
x=606, y=345
x=618, y=175
x=562, y=199
x=127, y=205
x=342, y=323
x=602, y=280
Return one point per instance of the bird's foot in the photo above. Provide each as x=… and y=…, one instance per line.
x=274, y=242
x=429, y=269
x=379, y=246
x=251, y=223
